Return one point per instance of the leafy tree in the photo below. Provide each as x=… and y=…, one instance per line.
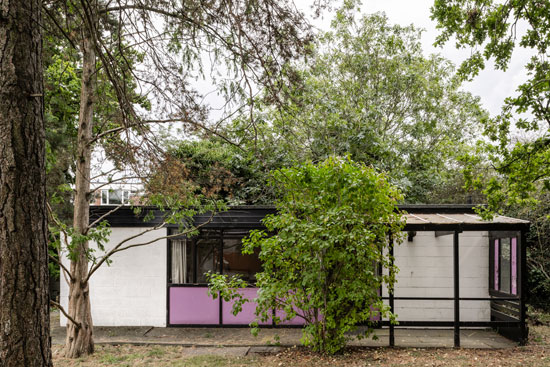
x=492, y=29
x=212, y=168
x=24, y=311
x=322, y=249
x=138, y=62
x=368, y=90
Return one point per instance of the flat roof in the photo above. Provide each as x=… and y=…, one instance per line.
x=461, y=221
x=454, y=217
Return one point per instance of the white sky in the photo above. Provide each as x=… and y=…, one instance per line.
x=493, y=86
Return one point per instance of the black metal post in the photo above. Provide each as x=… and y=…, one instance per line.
x=456, y=290
x=390, y=289
x=522, y=272
x=220, y=259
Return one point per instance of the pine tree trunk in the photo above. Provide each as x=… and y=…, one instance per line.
x=79, y=339
x=24, y=280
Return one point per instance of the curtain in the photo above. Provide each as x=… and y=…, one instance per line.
x=179, y=261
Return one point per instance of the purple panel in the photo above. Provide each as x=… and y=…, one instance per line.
x=246, y=316
x=193, y=305
x=514, y=259
x=496, y=275
x=295, y=321
x=376, y=316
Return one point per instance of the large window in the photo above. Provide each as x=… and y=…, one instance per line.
x=212, y=250
x=115, y=197
x=504, y=265
x=234, y=262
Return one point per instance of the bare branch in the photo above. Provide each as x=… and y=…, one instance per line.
x=119, y=247
x=98, y=220
x=204, y=127
x=112, y=181
x=67, y=272
x=77, y=324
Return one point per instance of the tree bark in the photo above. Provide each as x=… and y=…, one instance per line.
x=79, y=339
x=24, y=278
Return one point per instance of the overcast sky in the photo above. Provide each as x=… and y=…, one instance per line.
x=491, y=85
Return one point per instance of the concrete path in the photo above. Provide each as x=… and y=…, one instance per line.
x=240, y=340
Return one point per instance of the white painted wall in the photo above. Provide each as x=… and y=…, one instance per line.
x=132, y=291
x=426, y=270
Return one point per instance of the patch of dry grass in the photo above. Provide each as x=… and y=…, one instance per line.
x=140, y=356
x=537, y=353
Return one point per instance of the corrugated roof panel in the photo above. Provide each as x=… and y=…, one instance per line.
x=456, y=218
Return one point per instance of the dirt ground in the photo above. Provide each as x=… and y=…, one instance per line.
x=536, y=353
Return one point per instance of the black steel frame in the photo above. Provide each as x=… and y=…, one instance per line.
x=169, y=285
x=512, y=327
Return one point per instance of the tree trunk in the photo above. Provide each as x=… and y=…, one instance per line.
x=80, y=336
x=24, y=280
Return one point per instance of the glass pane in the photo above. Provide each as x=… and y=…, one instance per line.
x=497, y=270
x=234, y=262
x=182, y=262
x=125, y=197
x=505, y=268
x=514, y=265
x=115, y=197
x=208, y=254
x=104, y=197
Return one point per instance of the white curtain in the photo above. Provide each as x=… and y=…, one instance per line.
x=179, y=261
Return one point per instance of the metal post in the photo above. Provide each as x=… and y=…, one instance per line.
x=522, y=272
x=456, y=290
x=392, y=308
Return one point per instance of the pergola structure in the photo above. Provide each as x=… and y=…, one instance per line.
x=508, y=309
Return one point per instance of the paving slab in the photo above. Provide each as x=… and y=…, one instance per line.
x=271, y=338
x=216, y=351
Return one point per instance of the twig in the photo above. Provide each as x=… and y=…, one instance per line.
x=119, y=247
x=103, y=217
x=62, y=266
x=77, y=324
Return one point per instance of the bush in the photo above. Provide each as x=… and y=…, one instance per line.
x=322, y=250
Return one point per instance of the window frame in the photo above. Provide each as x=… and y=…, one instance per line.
x=192, y=241
x=124, y=196
x=495, y=263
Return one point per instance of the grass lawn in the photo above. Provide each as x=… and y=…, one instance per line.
x=537, y=353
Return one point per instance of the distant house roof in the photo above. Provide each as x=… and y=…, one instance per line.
x=455, y=217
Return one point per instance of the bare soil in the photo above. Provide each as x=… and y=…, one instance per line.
x=536, y=353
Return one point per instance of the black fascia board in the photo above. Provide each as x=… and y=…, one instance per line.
x=235, y=217
x=250, y=216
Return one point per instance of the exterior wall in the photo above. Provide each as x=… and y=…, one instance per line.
x=132, y=291
x=426, y=270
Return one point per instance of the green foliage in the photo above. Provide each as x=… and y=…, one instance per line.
x=61, y=106
x=368, y=91
x=493, y=30
x=227, y=289
x=321, y=250
x=212, y=169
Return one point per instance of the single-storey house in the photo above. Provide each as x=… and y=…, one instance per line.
x=455, y=270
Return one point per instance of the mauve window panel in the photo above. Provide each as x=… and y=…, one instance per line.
x=246, y=316
x=295, y=321
x=514, y=258
x=193, y=305
x=496, y=275
x=505, y=267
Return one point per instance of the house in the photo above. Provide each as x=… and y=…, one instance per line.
x=127, y=192
x=456, y=270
